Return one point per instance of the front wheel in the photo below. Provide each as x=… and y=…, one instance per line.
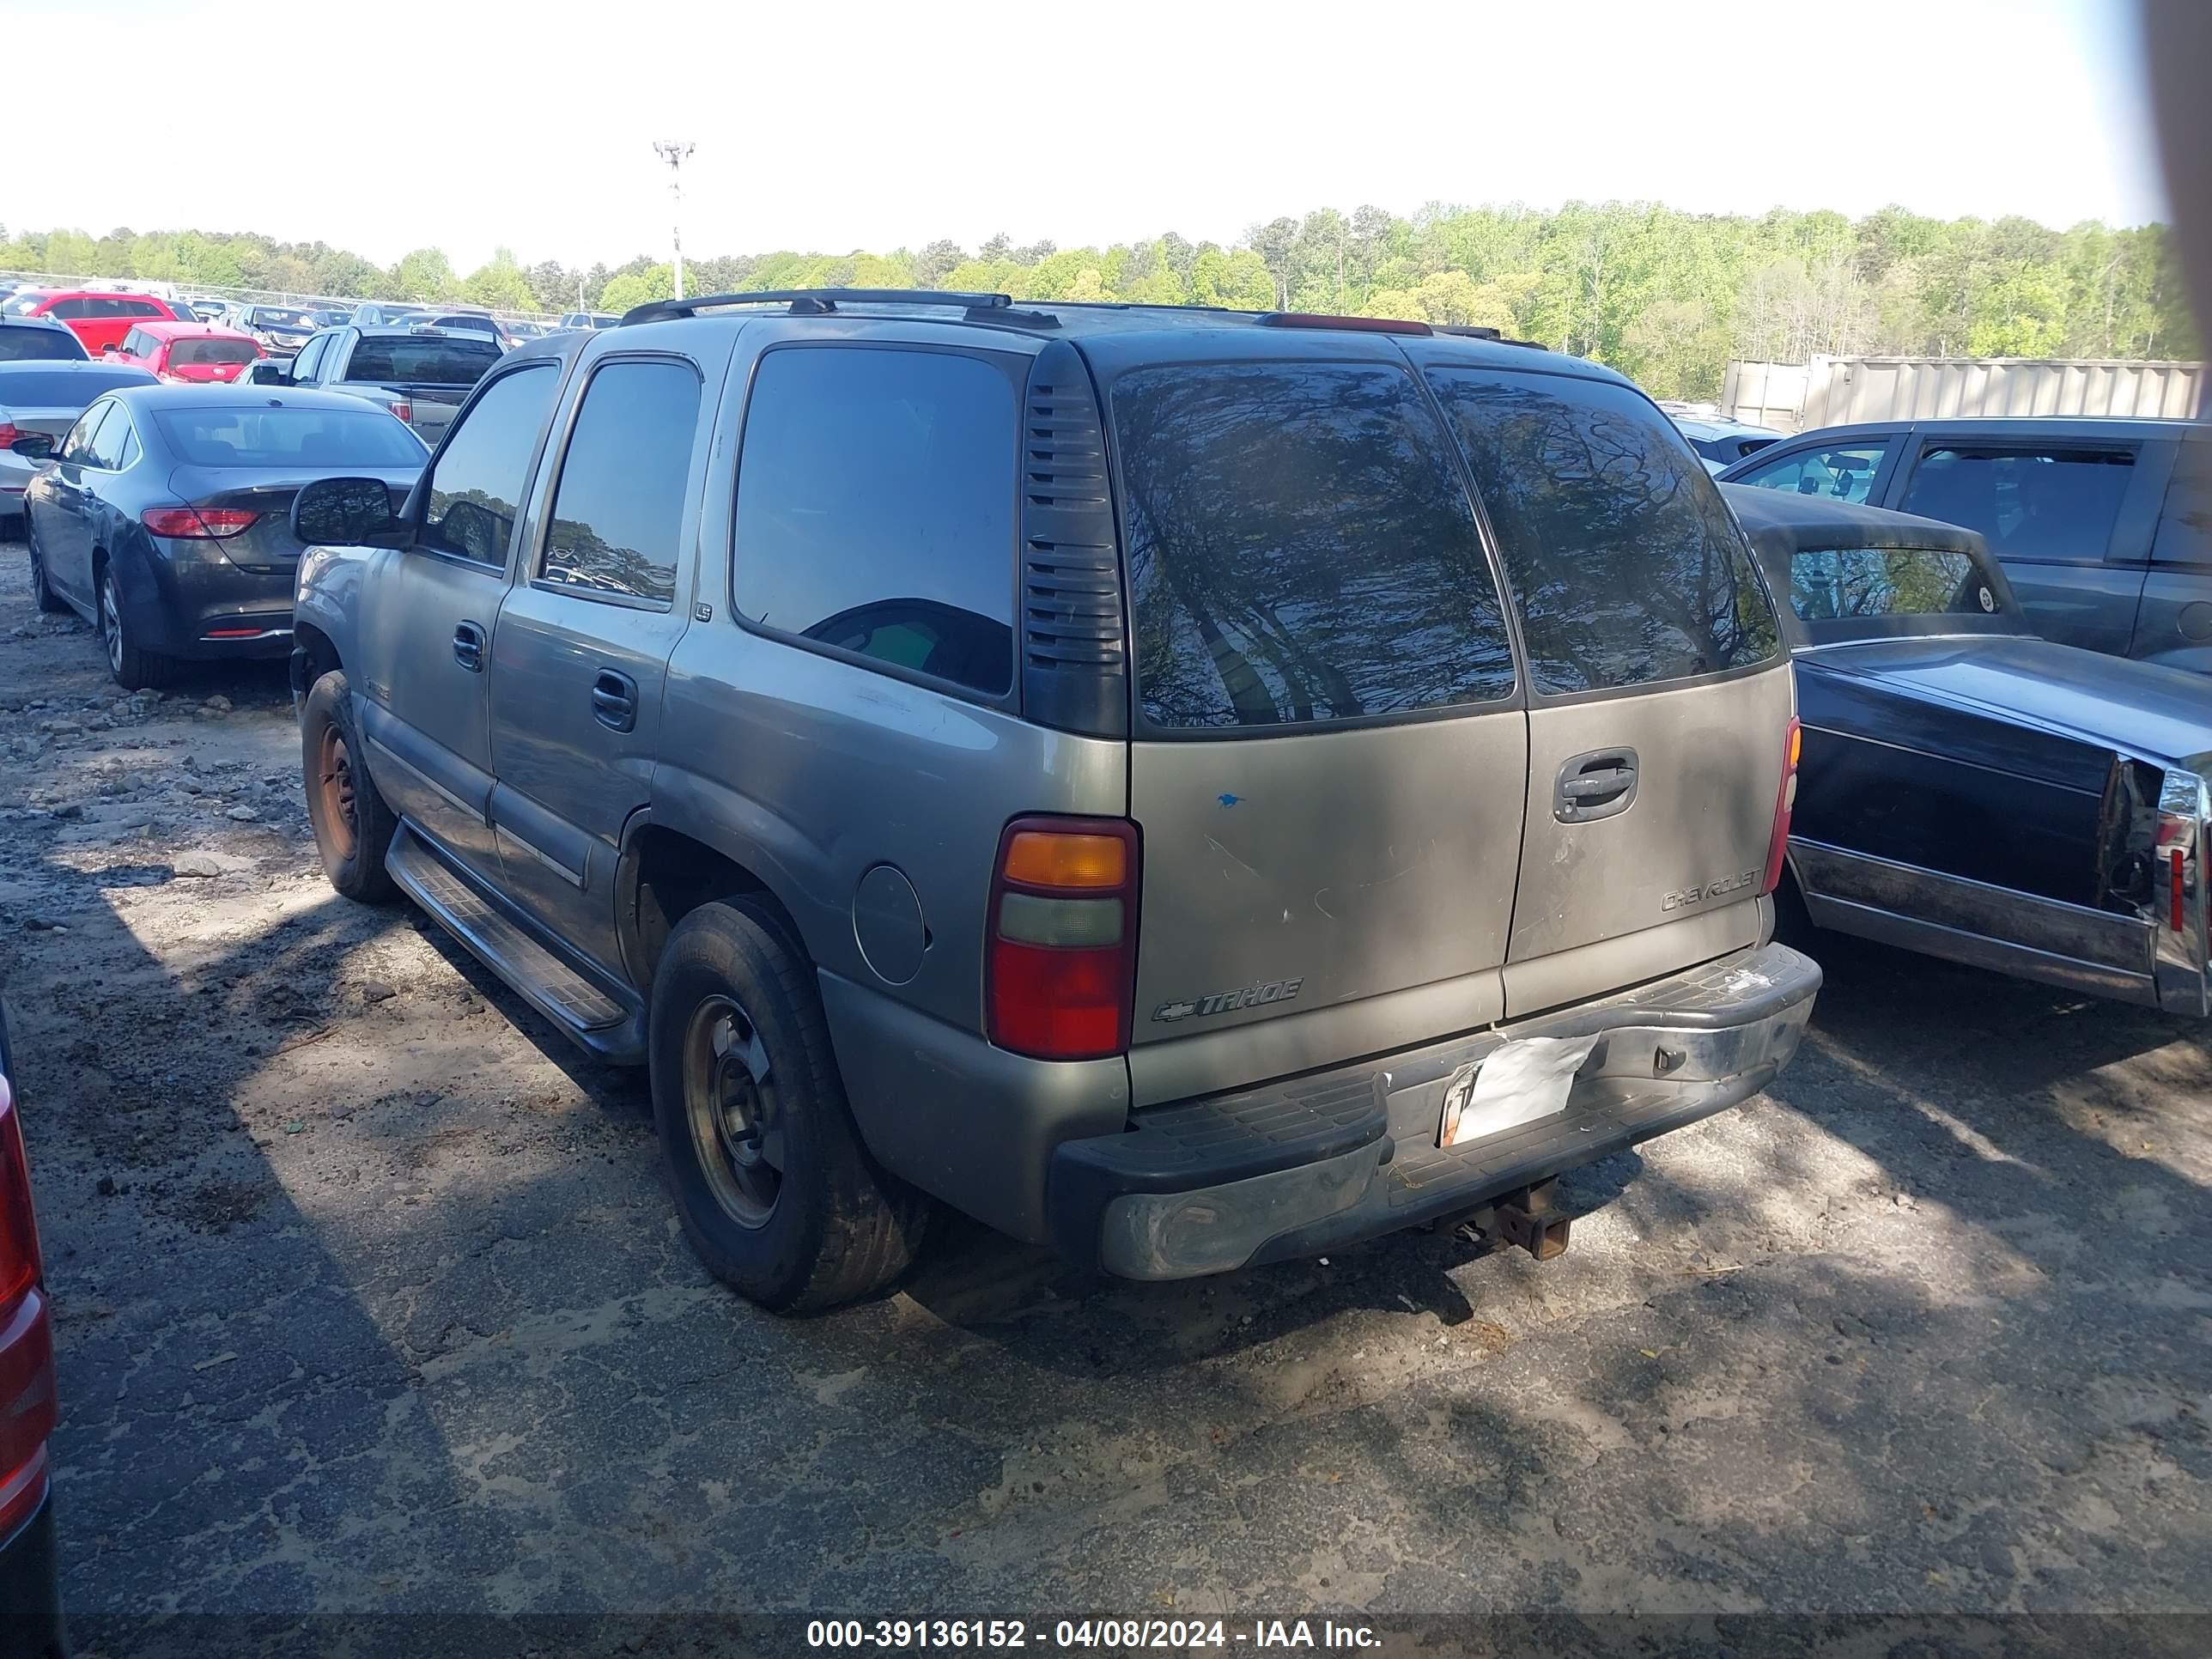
x=353, y=826
x=776, y=1192
x=134, y=670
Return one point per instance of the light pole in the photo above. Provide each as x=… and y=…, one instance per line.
x=674, y=151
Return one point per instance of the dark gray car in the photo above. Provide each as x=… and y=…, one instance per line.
x=163, y=514
x=1190, y=787
x=2103, y=525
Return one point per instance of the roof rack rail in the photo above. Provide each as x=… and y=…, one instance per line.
x=1478, y=332
x=818, y=301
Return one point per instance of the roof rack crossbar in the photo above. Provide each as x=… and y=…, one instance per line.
x=815, y=302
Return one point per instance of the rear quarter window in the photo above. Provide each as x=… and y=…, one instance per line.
x=1299, y=549
x=876, y=509
x=1626, y=565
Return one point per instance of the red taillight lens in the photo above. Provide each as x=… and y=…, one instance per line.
x=19, y=1229
x=404, y=411
x=197, y=523
x=1785, y=800
x=1062, y=925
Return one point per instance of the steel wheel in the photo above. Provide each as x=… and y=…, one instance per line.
x=729, y=1101
x=334, y=778
x=111, y=622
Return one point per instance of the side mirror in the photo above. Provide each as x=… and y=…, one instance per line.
x=33, y=446
x=346, y=513
x=268, y=373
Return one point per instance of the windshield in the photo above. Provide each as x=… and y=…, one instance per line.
x=33, y=388
x=203, y=354
x=1858, y=584
x=288, y=437
x=423, y=360
x=273, y=317
x=43, y=345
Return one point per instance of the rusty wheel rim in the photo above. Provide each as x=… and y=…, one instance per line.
x=334, y=783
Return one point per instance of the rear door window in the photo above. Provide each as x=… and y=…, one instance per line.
x=115, y=446
x=1841, y=472
x=2049, y=503
x=1300, y=549
x=618, y=506
x=484, y=469
x=2184, y=533
x=876, y=508
x=78, y=445
x=1626, y=566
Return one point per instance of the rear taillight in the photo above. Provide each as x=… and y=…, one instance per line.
x=197, y=523
x=26, y=1342
x=1062, y=927
x=19, y=1229
x=1785, y=801
x=9, y=433
x=404, y=411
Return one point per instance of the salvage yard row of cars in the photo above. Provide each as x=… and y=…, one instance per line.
x=1044, y=633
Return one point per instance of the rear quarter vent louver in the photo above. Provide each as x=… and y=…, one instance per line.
x=1074, y=643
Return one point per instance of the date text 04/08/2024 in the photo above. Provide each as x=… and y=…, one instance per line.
x=1118, y=1635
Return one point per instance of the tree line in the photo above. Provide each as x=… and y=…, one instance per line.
x=1666, y=297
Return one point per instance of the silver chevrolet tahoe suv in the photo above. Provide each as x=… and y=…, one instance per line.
x=1189, y=788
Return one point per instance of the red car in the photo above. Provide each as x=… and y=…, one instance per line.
x=100, y=320
x=30, y=1593
x=186, y=354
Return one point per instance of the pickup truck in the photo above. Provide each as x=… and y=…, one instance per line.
x=422, y=375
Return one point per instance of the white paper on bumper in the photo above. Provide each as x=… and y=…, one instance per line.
x=1517, y=1084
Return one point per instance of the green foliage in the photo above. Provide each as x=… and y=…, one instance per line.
x=638, y=287
x=1667, y=297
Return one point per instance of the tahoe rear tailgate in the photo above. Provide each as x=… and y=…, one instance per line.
x=1330, y=759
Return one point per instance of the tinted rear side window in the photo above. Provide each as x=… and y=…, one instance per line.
x=64, y=388
x=1626, y=565
x=1299, y=549
x=618, y=507
x=876, y=508
x=40, y=345
x=2052, y=504
x=2184, y=534
x=423, y=360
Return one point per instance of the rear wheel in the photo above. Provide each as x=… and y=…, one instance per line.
x=776, y=1192
x=353, y=825
x=134, y=669
x=42, y=591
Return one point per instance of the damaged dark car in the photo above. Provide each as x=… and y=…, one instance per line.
x=1970, y=791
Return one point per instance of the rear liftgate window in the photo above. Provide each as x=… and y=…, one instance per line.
x=1626, y=563
x=1299, y=549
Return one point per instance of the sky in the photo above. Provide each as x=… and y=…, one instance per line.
x=466, y=124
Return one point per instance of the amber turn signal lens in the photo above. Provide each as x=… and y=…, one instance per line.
x=1038, y=858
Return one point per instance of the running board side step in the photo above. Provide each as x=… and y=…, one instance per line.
x=602, y=1017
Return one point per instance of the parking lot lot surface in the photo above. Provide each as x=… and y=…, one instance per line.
x=368, y=1301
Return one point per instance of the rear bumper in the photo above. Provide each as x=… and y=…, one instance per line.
x=189, y=595
x=30, y=1587
x=1297, y=1167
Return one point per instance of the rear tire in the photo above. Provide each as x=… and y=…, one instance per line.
x=776, y=1194
x=353, y=826
x=134, y=670
x=42, y=591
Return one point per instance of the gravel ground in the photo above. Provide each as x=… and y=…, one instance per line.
x=369, y=1302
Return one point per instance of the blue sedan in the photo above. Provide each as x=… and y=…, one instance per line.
x=164, y=515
